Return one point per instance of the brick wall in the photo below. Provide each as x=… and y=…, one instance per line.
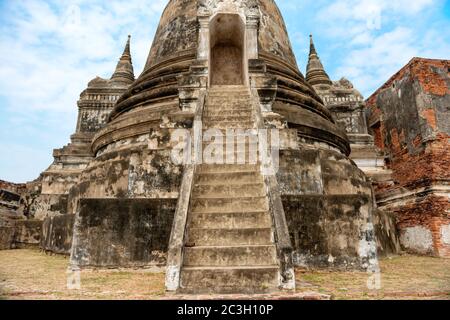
x=410, y=117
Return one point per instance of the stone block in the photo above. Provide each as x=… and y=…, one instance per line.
x=122, y=232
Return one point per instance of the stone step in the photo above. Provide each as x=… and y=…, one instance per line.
x=225, y=100
x=234, y=88
x=230, y=237
x=231, y=220
x=227, y=178
x=230, y=135
x=227, y=112
x=227, y=92
x=238, y=132
x=234, y=145
x=230, y=280
x=240, y=140
x=224, y=168
x=212, y=256
x=228, y=118
x=229, y=125
x=216, y=191
x=230, y=204
x=228, y=97
x=229, y=88
x=237, y=158
x=217, y=105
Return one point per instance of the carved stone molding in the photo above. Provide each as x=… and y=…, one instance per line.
x=244, y=7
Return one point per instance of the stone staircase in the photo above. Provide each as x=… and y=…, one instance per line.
x=230, y=246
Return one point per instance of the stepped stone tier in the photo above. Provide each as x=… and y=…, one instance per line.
x=348, y=108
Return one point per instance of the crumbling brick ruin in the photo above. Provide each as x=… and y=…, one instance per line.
x=113, y=197
x=16, y=231
x=409, y=117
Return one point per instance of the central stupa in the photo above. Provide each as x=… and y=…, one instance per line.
x=222, y=228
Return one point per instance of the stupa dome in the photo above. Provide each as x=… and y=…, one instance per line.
x=176, y=49
x=228, y=65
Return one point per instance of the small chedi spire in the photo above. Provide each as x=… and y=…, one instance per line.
x=312, y=48
x=124, y=71
x=315, y=72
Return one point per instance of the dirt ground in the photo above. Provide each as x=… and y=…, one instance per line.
x=402, y=278
x=30, y=274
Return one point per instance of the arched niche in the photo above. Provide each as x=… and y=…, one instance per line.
x=228, y=65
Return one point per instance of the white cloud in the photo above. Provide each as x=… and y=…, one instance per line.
x=369, y=65
x=377, y=37
x=51, y=50
x=25, y=164
x=54, y=48
x=365, y=10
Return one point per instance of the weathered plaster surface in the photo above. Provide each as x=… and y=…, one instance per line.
x=418, y=239
x=445, y=234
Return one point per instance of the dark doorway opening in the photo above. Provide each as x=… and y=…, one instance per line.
x=227, y=50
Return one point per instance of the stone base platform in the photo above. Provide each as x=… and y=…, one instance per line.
x=282, y=296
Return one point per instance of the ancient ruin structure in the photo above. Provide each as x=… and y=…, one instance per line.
x=348, y=108
x=222, y=228
x=409, y=117
x=15, y=230
x=115, y=197
x=94, y=108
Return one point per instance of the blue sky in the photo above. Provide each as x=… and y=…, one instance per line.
x=52, y=48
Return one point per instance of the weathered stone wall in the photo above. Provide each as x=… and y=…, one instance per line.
x=331, y=231
x=351, y=119
x=122, y=233
x=300, y=172
x=138, y=167
x=93, y=119
x=410, y=118
x=48, y=205
x=386, y=232
x=328, y=206
x=20, y=234
x=57, y=234
x=27, y=233
x=306, y=171
x=6, y=237
x=129, y=174
x=59, y=183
